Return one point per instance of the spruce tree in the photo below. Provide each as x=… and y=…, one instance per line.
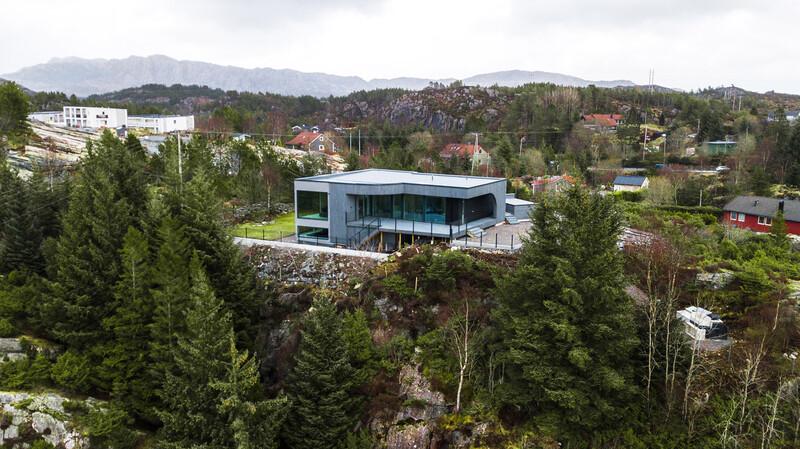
x=565, y=322
x=196, y=207
x=125, y=365
x=171, y=282
x=190, y=411
x=320, y=384
x=109, y=196
x=20, y=235
x=211, y=398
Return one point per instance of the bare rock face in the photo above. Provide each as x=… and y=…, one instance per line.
x=715, y=281
x=11, y=349
x=414, y=426
x=421, y=403
x=409, y=436
x=27, y=417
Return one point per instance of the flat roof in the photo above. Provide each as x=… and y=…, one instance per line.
x=156, y=116
x=376, y=176
x=518, y=202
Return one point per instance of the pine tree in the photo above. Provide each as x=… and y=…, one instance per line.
x=564, y=319
x=125, y=364
x=320, y=384
x=211, y=399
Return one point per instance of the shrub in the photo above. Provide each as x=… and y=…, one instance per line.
x=397, y=285
x=6, y=328
x=634, y=197
x=41, y=444
x=72, y=371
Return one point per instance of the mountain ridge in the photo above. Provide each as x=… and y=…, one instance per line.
x=85, y=77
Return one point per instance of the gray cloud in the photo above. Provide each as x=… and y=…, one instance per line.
x=689, y=43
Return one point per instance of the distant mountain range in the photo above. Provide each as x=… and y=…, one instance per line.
x=85, y=77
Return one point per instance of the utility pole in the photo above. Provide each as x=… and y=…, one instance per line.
x=359, y=141
x=665, y=150
x=521, y=140
x=474, y=151
x=644, y=146
x=180, y=164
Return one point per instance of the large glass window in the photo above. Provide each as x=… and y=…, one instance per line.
x=414, y=207
x=312, y=233
x=479, y=207
x=429, y=209
x=434, y=209
x=312, y=205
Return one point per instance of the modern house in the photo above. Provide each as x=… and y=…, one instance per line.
x=386, y=208
x=94, y=117
x=757, y=212
x=160, y=124
x=630, y=183
x=311, y=141
x=466, y=151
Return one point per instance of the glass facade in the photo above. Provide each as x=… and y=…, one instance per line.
x=312, y=205
x=312, y=233
x=429, y=209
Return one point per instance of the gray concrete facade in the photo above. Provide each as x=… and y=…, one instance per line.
x=344, y=189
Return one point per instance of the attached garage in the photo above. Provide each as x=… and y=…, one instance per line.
x=518, y=208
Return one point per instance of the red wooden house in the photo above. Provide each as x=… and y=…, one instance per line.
x=756, y=213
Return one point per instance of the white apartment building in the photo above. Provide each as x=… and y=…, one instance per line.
x=160, y=124
x=49, y=117
x=94, y=117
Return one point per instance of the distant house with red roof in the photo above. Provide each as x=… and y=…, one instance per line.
x=465, y=151
x=312, y=141
x=602, y=122
x=551, y=183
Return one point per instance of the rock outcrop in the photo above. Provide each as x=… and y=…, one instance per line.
x=25, y=418
x=415, y=424
x=293, y=266
x=11, y=349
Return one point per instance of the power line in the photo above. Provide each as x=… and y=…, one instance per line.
x=375, y=136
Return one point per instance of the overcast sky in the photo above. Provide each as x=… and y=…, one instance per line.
x=689, y=43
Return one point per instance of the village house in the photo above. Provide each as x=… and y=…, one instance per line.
x=312, y=141
x=465, y=151
x=625, y=183
x=602, y=122
x=551, y=183
x=757, y=212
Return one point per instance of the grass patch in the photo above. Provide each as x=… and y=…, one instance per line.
x=282, y=225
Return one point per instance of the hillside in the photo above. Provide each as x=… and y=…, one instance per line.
x=85, y=77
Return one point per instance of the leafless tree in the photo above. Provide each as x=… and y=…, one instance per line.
x=462, y=332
